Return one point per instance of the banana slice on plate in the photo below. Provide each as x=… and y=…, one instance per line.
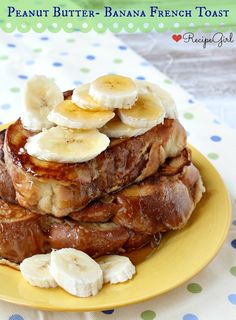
x=82, y=98
x=115, y=128
x=60, y=144
x=76, y=272
x=114, y=91
x=145, y=87
x=147, y=112
x=41, y=96
x=35, y=270
x=116, y=268
x=69, y=115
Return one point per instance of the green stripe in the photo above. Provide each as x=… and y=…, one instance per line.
x=116, y=24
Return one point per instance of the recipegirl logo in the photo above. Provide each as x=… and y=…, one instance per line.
x=218, y=38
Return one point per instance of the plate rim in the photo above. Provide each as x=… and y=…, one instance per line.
x=121, y=303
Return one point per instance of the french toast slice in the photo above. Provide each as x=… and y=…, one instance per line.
x=21, y=233
x=7, y=191
x=24, y=233
x=59, y=189
x=160, y=203
x=134, y=217
x=106, y=208
x=2, y=137
x=142, y=217
x=95, y=239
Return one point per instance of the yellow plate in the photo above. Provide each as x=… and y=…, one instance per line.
x=180, y=256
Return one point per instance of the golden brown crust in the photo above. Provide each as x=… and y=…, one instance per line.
x=59, y=189
x=160, y=203
x=21, y=235
x=137, y=240
x=167, y=196
x=96, y=212
x=24, y=233
x=2, y=137
x=175, y=165
x=95, y=239
x=7, y=191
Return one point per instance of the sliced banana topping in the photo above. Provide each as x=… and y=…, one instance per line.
x=76, y=272
x=145, y=87
x=116, y=268
x=35, y=270
x=66, y=145
x=41, y=96
x=114, y=91
x=115, y=128
x=69, y=115
x=140, y=105
x=32, y=123
x=147, y=112
x=82, y=98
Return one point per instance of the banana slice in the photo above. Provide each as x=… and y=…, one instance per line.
x=145, y=87
x=35, y=270
x=32, y=123
x=82, y=98
x=69, y=115
x=66, y=145
x=147, y=112
x=117, y=129
x=116, y=268
x=76, y=272
x=114, y=91
x=41, y=95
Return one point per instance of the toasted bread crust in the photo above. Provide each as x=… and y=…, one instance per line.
x=140, y=212
x=59, y=189
x=105, y=209
x=95, y=239
x=21, y=233
x=24, y=233
x=160, y=203
x=7, y=191
x=2, y=137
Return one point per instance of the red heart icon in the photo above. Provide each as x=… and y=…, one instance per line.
x=176, y=37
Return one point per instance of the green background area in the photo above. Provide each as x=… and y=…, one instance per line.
x=117, y=24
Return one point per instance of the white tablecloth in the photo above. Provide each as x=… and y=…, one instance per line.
x=75, y=58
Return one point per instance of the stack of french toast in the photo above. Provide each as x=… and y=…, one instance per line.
x=108, y=188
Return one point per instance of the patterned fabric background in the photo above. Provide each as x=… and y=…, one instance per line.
x=76, y=58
